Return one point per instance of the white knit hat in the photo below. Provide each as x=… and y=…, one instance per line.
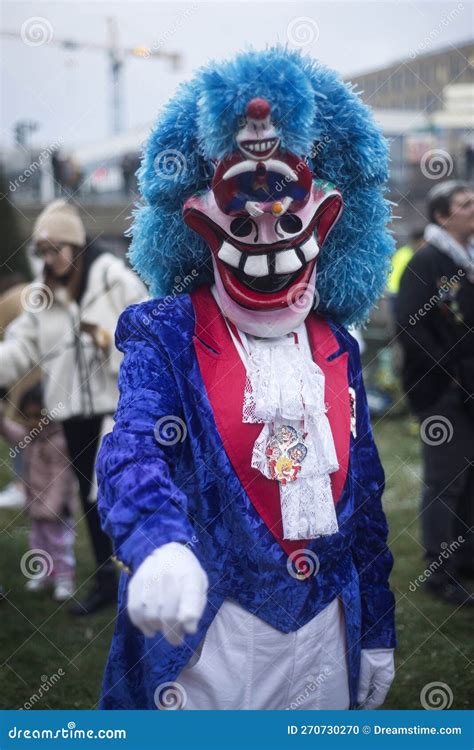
x=60, y=222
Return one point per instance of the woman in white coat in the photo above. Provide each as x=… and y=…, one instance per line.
x=67, y=327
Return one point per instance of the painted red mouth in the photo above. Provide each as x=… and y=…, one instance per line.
x=259, y=149
x=249, y=291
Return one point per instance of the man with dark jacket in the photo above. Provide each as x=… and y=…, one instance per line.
x=435, y=323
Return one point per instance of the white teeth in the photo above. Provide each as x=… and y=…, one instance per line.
x=287, y=262
x=229, y=254
x=259, y=146
x=310, y=248
x=256, y=265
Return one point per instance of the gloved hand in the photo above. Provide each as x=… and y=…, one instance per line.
x=168, y=592
x=377, y=670
x=253, y=208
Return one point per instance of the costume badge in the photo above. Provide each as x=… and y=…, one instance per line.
x=352, y=407
x=285, y=452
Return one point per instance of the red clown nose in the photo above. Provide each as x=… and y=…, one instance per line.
x=258, y=108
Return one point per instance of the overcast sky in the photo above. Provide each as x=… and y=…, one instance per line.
x=67, y=92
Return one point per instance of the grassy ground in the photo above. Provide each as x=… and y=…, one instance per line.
x=39, y=640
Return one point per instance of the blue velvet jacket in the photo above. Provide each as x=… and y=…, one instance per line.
x=191, y=486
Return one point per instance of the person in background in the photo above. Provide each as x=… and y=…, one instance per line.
x=67, y=328
x=387, y=397
x=401, y=259
x=13, y=495
x=50, y=492
x=435, y=322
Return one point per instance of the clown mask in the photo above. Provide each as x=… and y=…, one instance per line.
x=265, y=219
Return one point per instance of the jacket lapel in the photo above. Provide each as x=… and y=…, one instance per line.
x=224, y=376
x=324, y=346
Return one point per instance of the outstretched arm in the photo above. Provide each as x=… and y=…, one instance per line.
x=141, y=508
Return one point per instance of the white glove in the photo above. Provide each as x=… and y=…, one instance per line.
x=168, y=592
x=253, y=208
x=377, y=670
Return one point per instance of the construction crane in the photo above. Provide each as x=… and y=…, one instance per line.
x=117, y=56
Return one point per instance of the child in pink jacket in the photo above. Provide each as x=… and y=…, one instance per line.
x=50, y=488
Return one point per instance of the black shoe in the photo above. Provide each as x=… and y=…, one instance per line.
x=102, y=594
x=450, y=592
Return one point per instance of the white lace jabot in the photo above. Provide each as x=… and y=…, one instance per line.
x=284, y=391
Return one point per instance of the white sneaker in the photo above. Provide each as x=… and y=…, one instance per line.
x=63, y=589
x=13, y=496
x=38, y=584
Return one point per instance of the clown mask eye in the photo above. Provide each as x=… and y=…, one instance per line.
x=290, y=224
x=242, y=226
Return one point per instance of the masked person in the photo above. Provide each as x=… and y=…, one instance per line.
x=241, y=484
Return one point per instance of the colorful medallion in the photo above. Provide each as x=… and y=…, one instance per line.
x=285, y=452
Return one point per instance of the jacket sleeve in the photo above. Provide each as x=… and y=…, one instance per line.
x=19, y=351
x=113, y=284
x=119, y=287
x=140, y=506
x=425, y=354
x=129, y=289
x=371, y=554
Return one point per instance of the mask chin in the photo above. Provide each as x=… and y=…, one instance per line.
x=267, y=323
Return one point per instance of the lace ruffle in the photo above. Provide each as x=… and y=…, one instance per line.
x=284, y=386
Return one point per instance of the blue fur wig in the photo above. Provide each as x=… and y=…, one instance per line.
x=317, y=116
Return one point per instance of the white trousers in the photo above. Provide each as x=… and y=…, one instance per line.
x=243, y=663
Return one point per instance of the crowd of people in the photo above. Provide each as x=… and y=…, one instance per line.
x=59, y=368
